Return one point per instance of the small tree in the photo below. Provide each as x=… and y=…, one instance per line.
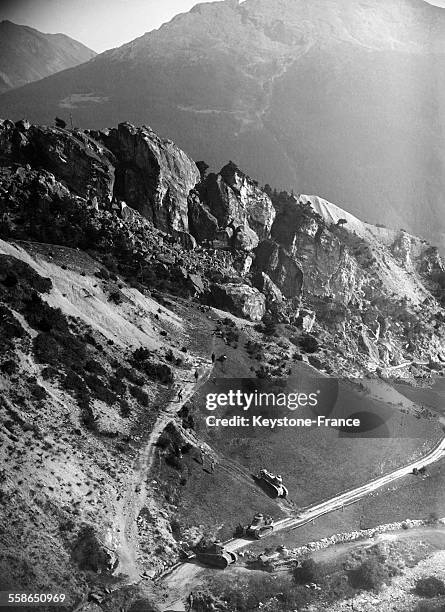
x=371, y=575
x=308, y=571
x=430, y=587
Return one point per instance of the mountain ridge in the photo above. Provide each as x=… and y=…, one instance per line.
x=27, y=55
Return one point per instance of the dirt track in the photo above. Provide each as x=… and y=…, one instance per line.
x=181, y=578
x=124, y=530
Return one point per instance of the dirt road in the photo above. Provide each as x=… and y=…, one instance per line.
x=123, y=533
x=180, y=578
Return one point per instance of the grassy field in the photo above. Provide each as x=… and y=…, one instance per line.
x=316, y=463
x=410, y=497
x=319, y=462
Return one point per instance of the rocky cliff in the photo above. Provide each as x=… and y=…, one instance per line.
x=289, y=90
x=377, y=294
x=114, y=247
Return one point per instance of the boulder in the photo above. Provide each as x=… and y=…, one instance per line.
x=186, y=240
x=281, y=267
x=264, y=284
x=239, y=204
x=244, y=239
x=241, y=300
x=75, y=158
x=202, y=224
x=295, y=217
x=306, y=319
x=7, y=144
x=258, y=207
x=153, y=175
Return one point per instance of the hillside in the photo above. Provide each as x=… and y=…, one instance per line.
x=28, y=55
x=341, y=99
x=123, y=266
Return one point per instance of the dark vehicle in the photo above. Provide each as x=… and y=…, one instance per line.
x=216, y=555
x=260, y=527
x=273, y=483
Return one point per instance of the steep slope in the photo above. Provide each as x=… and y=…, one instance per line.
x=341, y=99
x=106, y=315
x=28, y=55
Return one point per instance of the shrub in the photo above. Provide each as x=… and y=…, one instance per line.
x=430, y=587
x=46, y=349
x=371, y=575
x=308, y=571
x=9, y=367
x=124, y=408
x=141, y=354
x=309, y=344
x=116, y=297
x=99, y=390
x=88, y=552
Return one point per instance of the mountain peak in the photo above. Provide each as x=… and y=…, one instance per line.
x=28, y=55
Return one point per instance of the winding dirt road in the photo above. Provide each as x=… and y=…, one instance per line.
x=122, y=536
x=181, y=578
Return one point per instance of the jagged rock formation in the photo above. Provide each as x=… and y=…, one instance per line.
x=236, y=202
x=242, y=300
x=367, y=285
x=281, y=267
x=104, y=314
x=289, y=93
x=152, y=175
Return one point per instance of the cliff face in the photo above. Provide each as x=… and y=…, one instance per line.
x=289, y=90
x=154, y=176
x=104, y=316
x=376, y=293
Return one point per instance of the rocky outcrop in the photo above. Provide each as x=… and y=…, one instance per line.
x=255, y=205
x=281, y=267
x=295, y=218
x=202, y=224
x=264, y=284
x=153, y=175
x=74, y=157
x=240, y=205
x=241, y=300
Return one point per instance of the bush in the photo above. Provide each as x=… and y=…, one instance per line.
x=115, y=297
x=430, y=587
x=9, y=367
x=99, y=390
x=308, y=571
x=88, y=552
x=309, y=344
x=141, y=354
x=370, y=576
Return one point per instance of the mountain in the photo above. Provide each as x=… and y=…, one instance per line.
x=114, y=247
x=28, y=55
x=341, y=98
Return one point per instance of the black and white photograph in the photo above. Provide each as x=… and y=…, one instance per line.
x=222, y=305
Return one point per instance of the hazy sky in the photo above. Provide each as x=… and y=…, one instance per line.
x=99, y=24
